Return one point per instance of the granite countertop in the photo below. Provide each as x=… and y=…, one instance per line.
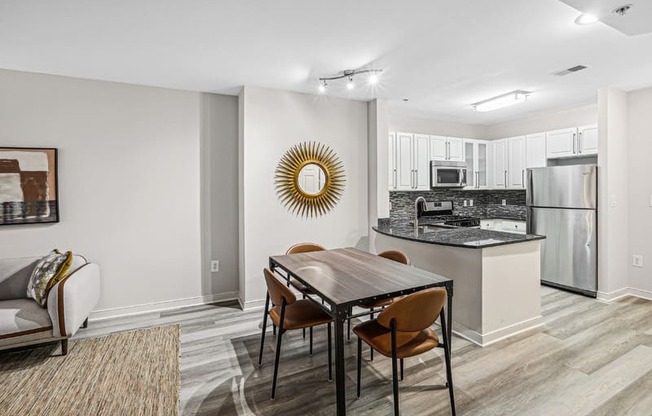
x=452, y=236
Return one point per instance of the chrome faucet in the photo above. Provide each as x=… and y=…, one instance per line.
x=416, y=212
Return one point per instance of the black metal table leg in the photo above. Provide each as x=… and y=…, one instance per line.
x=449, y=319
x=340, y=371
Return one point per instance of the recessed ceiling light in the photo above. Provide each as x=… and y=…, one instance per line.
x=586, y=19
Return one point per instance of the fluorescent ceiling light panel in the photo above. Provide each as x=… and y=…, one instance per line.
x=501, y=101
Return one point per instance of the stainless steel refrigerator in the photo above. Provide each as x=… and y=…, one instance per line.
x=562, y=204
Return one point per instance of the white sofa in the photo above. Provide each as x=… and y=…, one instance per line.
x=70, y=302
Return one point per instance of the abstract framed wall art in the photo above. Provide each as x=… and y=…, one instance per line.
x=28, y=185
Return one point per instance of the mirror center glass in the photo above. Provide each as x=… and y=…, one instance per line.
x=312, y=179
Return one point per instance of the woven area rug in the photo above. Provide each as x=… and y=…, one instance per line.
x=131, y=373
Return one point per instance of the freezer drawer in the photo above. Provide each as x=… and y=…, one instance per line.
x=569, y=255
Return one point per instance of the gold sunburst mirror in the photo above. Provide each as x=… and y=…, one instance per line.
x=309, y=179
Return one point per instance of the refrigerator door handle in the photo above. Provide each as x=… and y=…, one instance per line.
x=574, y=139
x=579, y=143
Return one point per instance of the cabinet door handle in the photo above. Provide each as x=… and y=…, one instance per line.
x=505, y=179
x=395, y=184
x=523, y=178
x=579, y=143
x=448, y=150
x=416, y=178
x=477, y=179
x=574, y=138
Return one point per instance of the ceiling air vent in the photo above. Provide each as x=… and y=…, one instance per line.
x=567, y=71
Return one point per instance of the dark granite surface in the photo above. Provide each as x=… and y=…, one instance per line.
x=456, y=237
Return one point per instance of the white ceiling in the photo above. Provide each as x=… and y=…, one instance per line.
x=443, y=56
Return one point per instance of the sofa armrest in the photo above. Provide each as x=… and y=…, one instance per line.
x=71, y=300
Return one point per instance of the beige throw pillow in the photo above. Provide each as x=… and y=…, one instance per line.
x=47, y=272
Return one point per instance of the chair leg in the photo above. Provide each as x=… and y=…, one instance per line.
x=64, y=346
x=447, y=359
x=359, y=364
x=394, y=369
x=304, y=329
x=278, y=349
x=311, y=341
x=371, y=353
x=330, y=353
x=274, y=329
x=401, y=369
x=348, y=331
x=262, y=335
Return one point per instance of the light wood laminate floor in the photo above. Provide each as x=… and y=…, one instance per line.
x=590, y=358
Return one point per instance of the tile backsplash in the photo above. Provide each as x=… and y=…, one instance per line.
x=486, y=203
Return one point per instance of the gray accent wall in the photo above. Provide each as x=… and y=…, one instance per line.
x=486, y=203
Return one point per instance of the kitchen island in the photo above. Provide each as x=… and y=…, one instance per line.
x=496, y=274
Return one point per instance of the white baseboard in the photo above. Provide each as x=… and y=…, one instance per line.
x=251, y=305
x=610, y=296
x=627, y=291
x=103, y=314
x=640, y=293
x=489, y=338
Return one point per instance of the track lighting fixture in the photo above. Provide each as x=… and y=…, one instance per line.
x=374, y=75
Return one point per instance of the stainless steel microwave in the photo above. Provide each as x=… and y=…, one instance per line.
x=447, y=174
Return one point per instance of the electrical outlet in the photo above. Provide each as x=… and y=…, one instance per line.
x=470, y=202
x=215, y=266
x=637, y=260
x=465, y=202
x=504, y=202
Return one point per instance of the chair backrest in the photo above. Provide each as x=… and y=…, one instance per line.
x=396, y=255
x=304, y=248
x=277, y=290
x=414, y=312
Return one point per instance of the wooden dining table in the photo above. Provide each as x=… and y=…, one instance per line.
x=345, y=277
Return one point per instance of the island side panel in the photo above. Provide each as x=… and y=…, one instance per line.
x=511, y=289
x=462, y=265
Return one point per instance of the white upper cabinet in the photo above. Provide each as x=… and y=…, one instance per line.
x=450, y=149
x=405, y=172
x=535, y=150
x=421, y=161
x=409, y=159
x=516, y=162
x=561, y=143
x=587, y=140
x=455, y=149
x=477, y=162
x=438, y=148
x=500, y=165
x=391, y=171
x=572, y=142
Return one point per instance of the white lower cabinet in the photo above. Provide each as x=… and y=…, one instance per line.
x=507, y=226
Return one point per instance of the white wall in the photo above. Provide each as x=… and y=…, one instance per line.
x=378, y=164
x=546, y=122
x=219, y=191
x=273, y=122
x=640, y=189
x=129, y=184
x=442, y=128
x=613, y=193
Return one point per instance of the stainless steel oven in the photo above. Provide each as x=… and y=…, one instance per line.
x=447, y=174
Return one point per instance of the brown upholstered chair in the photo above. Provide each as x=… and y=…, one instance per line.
x=288, y=313
x=403, y=330
x=397, y=256
x=303, y=248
